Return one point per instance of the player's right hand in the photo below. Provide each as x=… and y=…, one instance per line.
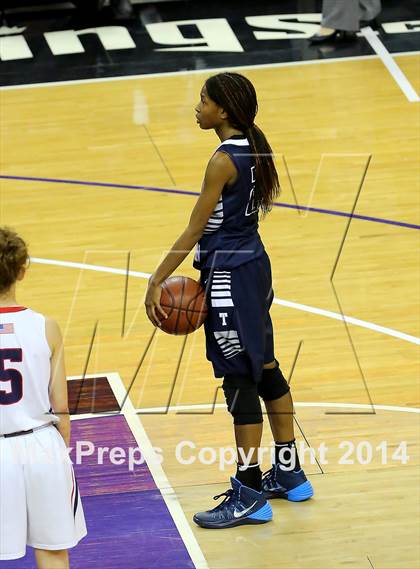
x=154, y=310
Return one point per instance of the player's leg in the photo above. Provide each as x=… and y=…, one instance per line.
x=244, y=503
x=286, y=478
x=244, y=405
x=13, y=526
x=280, y=411
x=248, y=441
x=55, y=514
x=51, y=559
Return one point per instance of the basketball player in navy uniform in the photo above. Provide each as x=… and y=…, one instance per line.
x=39, y=498
x=240, y=183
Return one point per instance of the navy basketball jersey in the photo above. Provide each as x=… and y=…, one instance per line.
x=231, y=236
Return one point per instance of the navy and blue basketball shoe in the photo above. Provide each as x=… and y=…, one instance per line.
x=290, y=485
x=242, y=505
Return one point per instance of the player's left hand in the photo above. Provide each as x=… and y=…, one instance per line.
x=154, y=310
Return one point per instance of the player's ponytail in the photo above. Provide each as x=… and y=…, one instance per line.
x=267, y=186
x=236, y=95
x=13, y=256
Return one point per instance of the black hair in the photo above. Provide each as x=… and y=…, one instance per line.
x=236, y=95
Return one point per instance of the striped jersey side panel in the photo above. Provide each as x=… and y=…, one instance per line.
x=216, y=219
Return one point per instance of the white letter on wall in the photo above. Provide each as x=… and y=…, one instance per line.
x=67, y=41
x=280, y=22
x=401, y=27
x=14, y=47
x=216, y=35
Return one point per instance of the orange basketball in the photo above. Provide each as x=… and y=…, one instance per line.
x=184, y=301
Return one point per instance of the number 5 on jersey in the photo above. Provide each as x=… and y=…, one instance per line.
x=11, y=381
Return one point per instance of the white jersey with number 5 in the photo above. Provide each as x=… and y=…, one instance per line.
x=24, y=370
x=40, y=503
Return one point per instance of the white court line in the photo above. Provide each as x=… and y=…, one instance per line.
x=223, y=405
x=198, y=71
x=287, y=303
x=87, y=267
x=387, y=59
x=152, y=410
x=159, y=476
x=349, y=320
x=92, y=415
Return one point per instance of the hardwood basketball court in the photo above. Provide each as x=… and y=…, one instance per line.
x=99, y=173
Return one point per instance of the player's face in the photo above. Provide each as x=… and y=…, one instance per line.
x=207, y=112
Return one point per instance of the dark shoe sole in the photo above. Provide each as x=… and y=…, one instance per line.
x=261, y=516
x=299, y=494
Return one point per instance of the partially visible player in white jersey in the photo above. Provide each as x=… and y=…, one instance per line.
x=39, y=499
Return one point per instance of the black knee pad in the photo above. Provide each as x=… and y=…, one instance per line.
x=242, y=399
x=273, y=385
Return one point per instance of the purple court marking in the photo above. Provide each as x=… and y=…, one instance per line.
x=128, y=522
x=189, y=193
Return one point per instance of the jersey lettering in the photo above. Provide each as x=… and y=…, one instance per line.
x=251, y=208
x=223, y=316
x=11, y=381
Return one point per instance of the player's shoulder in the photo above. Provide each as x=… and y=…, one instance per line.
x=220, y=158
x=38, y=315
x=219, y=166
x=53, y=333
x=51, y=325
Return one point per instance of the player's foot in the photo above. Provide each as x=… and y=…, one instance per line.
x=242, y=505
x=290, y=485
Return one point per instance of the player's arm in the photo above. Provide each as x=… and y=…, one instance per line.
x=220, y=171
x=58, y=382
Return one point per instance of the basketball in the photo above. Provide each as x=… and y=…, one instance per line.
x=184, y=301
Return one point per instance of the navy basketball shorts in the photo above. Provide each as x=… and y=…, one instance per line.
x=238, y=328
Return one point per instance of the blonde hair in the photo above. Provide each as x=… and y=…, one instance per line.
x=13, y=256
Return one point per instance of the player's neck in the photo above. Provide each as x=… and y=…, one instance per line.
x=225, y=131
x=8, y=298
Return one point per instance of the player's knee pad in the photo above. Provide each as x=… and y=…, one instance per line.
x=273, y=385
x=242, y=399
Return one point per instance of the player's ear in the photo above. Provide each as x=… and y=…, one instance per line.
x=223, y=114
